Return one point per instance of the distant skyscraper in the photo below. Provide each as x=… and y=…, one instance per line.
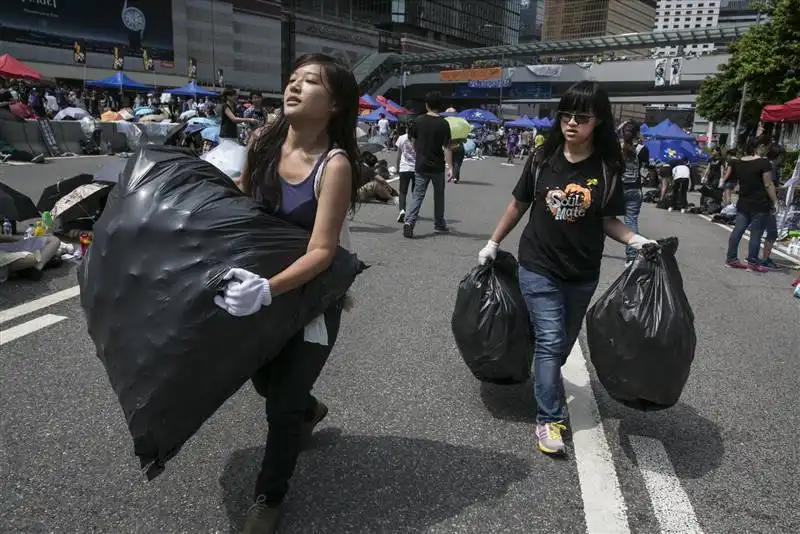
x=577, y=19
x=531, y=17
x=687, y=14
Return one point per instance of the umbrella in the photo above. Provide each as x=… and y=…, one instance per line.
x=371, y=102
x=478, y=115
x=372, y=148
x=210, y=133
x=71, y=113
x=15, y=205
x=194, y=127
x=459, y=128
x=191, y=89
x=110, y=116
x=85, y=201
x=53, y=193
x=11, y=68
x=144, y=110
x=188, y=114
x=202, y=120
x=110, y=173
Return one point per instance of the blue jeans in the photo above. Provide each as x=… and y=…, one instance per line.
x=556, y=309
x=633, y=205
x=757, y=223
x=421, y=181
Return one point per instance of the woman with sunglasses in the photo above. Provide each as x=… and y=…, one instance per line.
x=573, y=185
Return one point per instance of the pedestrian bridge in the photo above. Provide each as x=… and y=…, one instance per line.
x=632, y=76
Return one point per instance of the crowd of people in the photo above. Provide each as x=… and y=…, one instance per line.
x=305, y=167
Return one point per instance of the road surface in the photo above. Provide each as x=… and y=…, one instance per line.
x=413, y=442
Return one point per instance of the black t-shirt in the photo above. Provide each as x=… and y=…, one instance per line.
x=753, y=196
x=227, y=128
x=564, y=237
x=433, y=133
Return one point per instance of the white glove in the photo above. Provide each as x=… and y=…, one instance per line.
x=638, y=241
x=244, y=294
x=488, y=253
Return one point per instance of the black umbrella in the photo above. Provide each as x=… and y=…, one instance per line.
x=110, y=173
x=53, y=193
x=16, y=206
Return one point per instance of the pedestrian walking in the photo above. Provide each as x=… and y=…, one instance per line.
x=406, y=159
x=636, y=159
x=572, y=185
x=434, y=161
x=305, y=170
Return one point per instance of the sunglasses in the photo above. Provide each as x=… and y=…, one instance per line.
x=580, y=118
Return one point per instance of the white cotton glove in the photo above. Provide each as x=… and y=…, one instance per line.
x=244, y=294
x=638, y=241
x=488, y=253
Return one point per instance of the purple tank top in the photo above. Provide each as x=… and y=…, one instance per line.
x=299, y=201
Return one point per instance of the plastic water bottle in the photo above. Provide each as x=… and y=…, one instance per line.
x=6, y=226
x=29, y=232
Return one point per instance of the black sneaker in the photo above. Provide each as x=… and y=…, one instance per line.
x=408, y=231
x=441, y=229
x=769, y=264
x=262, y=518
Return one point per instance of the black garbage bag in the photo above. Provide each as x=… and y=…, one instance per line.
x=490, y=323
x=171, y=229
x=641, y=332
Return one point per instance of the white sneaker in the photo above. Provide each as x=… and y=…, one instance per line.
x=401, y=217
x=683, y=210
x=669, y=210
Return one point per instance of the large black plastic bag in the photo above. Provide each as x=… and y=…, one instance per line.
x=641, y=332
x=490, y=323
x=171, y=229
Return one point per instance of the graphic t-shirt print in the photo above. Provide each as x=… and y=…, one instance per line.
x=570, y=204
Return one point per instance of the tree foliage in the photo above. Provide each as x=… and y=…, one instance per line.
x=767, y=57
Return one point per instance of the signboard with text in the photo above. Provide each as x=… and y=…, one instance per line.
x=130, y=25
x=465, y=75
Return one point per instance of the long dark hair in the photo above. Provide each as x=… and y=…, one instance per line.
x=264, y=154
x=586, y=97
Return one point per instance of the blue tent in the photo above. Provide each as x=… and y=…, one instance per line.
x=371, y=101
x=449, y=114
x=670, y=150
x=375, y=115
x=544, y=122
x=119, y=81
x=667, y=129
x=522, y=122
x=191, y=89
x=478, y=115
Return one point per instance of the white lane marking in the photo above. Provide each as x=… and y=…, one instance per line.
x=38, y=304
x=29, y=327
x=746, y=235
x=671, y=504
x=603, y=504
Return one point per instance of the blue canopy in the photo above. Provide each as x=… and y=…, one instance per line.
x=478, y=115
x=191, y=89
x=670, y=150
x=119, y=81
x=667, y=129
x=522, y=122
x=375, y=115
x=448, y=114
x=544, y=122
x=371, y=101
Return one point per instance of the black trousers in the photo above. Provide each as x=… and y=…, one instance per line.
x=458, y=160
x=286, y=384
x=406, y=182
x=680, y=189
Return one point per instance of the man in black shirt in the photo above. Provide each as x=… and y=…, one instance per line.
x=432, y=146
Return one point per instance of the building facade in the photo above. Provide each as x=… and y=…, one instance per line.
x=531, y=19
x=738, y=13
x=577, y=19
x=686, y=14
x=457, y=23
x=241, y=38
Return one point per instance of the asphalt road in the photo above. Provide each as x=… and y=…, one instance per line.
x=413, y=443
